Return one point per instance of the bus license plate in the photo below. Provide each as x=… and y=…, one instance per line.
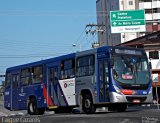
x=136, y=101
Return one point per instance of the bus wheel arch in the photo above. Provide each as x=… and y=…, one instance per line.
x=32, y=106
x=88, y=106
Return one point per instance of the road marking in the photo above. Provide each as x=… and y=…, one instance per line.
x=125, y=121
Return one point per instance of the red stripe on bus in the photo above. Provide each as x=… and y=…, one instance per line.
x=49, y=101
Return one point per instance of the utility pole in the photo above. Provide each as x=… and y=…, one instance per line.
x=93, y=29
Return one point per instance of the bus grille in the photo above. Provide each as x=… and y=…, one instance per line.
x=131, y=99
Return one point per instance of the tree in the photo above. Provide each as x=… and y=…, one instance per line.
x=2, y=87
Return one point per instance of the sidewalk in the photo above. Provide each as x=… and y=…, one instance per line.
x=5, y=112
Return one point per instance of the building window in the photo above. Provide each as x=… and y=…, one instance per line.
x=156, y=10
x=68, y=69
x=85, y=66
x=130, y=3
x=121, y=2
x=148, y=11
x=154, y=55
x=147, y=0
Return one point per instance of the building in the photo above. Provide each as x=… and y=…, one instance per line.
x=149, y=40
x=128, y=5
x=103, y=8
x=152, y=14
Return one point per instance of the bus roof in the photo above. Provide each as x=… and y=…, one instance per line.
x=58, y=58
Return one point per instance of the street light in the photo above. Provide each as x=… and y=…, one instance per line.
x=75, y=45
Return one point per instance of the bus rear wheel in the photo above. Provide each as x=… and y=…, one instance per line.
x=33, y=109
x=87, y=104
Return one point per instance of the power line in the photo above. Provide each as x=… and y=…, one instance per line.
x=45, y=13
x=40, y=14
x=11, y=45
x=4, y=66
x=15, y=57
x=29, y=45
x=26, y=41
x=78, y=40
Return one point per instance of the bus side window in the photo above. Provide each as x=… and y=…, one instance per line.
x=15, y=79
x=106, y=72
x=50, y=76
x=85, y=66
x=68, y=69
x=55, y=75
x=8, y=80
x=25, y=77
x=37, y=74
x=101, y=75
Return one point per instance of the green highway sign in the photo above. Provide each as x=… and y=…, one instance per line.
x=127, y=21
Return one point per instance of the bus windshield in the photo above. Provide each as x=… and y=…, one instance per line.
x=129, y=69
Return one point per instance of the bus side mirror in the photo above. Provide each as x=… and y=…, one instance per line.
x=150, y=65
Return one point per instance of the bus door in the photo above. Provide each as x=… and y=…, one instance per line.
x=8, y=90
x=103, y=78
x=14, y=90
x=52, y=84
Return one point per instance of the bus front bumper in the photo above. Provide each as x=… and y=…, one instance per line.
x=121, y=98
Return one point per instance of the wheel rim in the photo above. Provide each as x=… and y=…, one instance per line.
x=31, y=108
x=87, y=103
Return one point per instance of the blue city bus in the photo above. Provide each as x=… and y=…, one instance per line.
x=107, y=76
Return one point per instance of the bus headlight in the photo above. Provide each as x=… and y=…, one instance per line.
x=117, y=89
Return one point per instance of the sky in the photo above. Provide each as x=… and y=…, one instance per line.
x=32, y=30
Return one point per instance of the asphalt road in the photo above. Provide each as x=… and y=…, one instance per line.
x=132, y=115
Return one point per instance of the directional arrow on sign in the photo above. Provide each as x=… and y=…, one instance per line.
x=114, y=23
x=114, y=15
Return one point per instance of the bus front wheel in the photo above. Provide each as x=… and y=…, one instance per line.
x=33, y=109
x=87, y=104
